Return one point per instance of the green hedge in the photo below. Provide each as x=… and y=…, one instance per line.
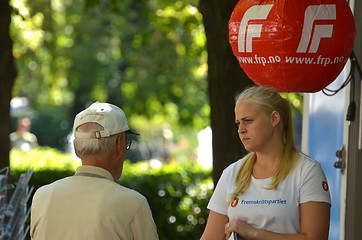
x=177, y=193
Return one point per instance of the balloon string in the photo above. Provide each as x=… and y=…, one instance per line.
x=357, y=64
x=350, y=77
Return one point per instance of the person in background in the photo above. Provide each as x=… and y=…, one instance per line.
x=274, y=192
x=90, y=204
x=23, y=139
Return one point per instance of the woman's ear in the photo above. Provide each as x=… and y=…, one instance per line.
x=275, y=118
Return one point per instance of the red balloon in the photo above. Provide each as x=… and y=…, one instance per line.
x=292, y=45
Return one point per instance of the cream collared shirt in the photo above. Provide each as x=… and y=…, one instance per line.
x=90, y=207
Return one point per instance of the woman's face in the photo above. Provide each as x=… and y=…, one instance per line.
x=255, y=128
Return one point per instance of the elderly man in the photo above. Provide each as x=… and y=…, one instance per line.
x=90, y=205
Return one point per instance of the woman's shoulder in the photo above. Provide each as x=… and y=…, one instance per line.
x=230, y=172
x=306, y=163
x=234, y=167
x=307, y=160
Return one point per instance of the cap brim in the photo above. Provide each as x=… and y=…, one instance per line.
x=132, y=132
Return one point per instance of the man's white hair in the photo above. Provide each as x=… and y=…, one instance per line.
x=85, y=146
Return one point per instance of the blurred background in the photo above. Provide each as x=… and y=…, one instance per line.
x=147, y=56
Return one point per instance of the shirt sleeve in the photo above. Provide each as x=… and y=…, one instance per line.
x=33, y=218
x=218, y=200
x=35, y=213
x=142, y=225
x=314, y=186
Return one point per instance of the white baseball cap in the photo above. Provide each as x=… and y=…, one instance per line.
x=110, y=117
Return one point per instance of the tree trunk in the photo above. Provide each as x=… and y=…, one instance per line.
x=226, y=79
x=7, y=77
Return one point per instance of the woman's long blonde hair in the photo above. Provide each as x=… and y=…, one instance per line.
x=268, y=100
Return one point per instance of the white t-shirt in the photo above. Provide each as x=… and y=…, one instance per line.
x=272, y=210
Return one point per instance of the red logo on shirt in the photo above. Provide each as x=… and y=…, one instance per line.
x=325, y=186
x=235, y=202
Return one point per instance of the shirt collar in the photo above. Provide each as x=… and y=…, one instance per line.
x=95, y=170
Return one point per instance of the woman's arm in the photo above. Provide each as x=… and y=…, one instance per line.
x=314, y=221
x=215, y=226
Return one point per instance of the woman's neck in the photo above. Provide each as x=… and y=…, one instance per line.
x=266, y=162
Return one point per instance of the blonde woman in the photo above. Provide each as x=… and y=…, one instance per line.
x=275, y=192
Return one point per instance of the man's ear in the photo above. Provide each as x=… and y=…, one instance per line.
x=75, y=150
x=275, y=118
x=119, y=142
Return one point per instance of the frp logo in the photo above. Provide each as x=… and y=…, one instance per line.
x=257, y=12
x=292, y=45
x=313, y=33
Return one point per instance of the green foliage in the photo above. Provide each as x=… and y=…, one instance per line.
x=296, y=102
x=149, y=57
x=42, y=159
x=177, y=193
